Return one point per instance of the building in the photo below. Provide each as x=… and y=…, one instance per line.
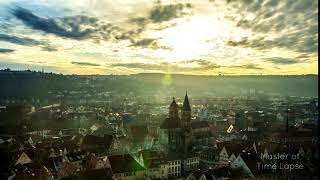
x=125, y=167
x=181, y=159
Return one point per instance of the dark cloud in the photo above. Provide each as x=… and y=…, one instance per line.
x=19, y=40
x=49, y=48
x=251, y=66
x=145, y=42
x=24, y=41
x=51, y=26
x=282, y=61
x=138, y=65
x=246, y=66
x=84, y=63
x=84, y=27
x=75, y=21
x=160, y=13
x=202, y=66
x=294, y=23
x=295, y=41
x=5, y=50
x=257, y=43
x=148, y=43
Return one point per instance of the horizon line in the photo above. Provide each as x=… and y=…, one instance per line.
x=112, y=74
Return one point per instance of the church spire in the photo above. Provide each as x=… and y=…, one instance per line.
x=173, y=103
x=186, y=104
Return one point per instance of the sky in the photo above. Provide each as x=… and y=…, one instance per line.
x=199, y=37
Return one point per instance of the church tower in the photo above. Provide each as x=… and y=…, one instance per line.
x=174, y=126
x=174, y=111
x=178, y=127
x=186, y=112
x=186, y=121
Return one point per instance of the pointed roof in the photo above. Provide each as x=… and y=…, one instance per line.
x=23, y=159
x=173, y=103
x=186, y=104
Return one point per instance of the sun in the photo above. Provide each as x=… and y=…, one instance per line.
x=189, y=39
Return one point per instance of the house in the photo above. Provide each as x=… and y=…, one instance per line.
x=97, y=144
x=209, y=158
x=155, y=164
x=247, y=161
x=223, y=157
x=174, y=168
x=191, y=163
x=214, y=174
x=125, y=167
x=96, y=174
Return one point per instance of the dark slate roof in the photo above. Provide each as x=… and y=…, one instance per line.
x=199, y=124
x=235, y=148
x=105, y=141
x=124, y=163
x=96, y=174
x=251, y=158
x=186, y=104
x=221, y=172
x=23, y=175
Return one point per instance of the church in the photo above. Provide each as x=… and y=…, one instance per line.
x=180, y=136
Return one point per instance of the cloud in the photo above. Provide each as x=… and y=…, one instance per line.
x=84, y=63
x=246, y=66
x=148, y=43
x=293, y=24
x=282, y=61
x=24, y=41
x=293, y=41
x=69, y=27
x=184, y=66
x=160, y=13
x=4, y=50
x=49, y=48
x=251, y=66
x=203, y=64
x=19, y=40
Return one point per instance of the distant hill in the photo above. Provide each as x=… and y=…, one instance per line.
x=31, y=84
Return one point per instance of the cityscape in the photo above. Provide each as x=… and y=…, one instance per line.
x=148, y=90
x=98, y=132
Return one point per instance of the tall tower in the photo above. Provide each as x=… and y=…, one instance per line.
x=178, y=128
x=174, y=128
x=174, y=111
x=186, y=112
x=186, y=121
